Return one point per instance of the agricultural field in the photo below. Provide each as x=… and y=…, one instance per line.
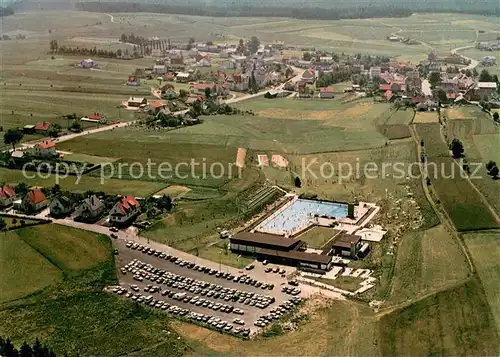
x=317, y=237
x=484, y=248
x=394, y=124
x=457, y=321
x=479, y=55
x=422, y=264
x=463, y=204
x=487, y=146
x=426, y=117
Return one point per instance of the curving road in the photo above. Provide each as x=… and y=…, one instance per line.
x=473, y=63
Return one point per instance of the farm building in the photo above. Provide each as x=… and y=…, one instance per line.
x=46, y=148
x=88, y=63
x=309, y=76
x=137, y=102
x=95, y=118
x=42, y=127
x=484, y=89
x=159, y=69
x=183, y=77
x=133, y=81
x=29, y=129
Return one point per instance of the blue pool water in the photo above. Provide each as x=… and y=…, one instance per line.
x=299, y=213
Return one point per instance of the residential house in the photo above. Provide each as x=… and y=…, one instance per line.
x=204, y=62
x=224, y=54
x=157, y=53
x=309, y=76
x=183, y=77
x=88, y=63
x=484, y=90
x=90, y=209
x=61, y=206
x=303, y=91
x=176, y=60
x=413, y=81
x=42, y=127
x=449, y=85
x=45, y=149
x=7, y=195
x=156, y=106
x=289, y=86
x=159, y=69
x=133, y=81
x=168, y=93
x=200, y=88
x=326, y=93
x=375, y=72
x=238, y=82
x=137, y=102
x=96, y=118
x=229, y=64
x=124, y=210
x=34, y=201
x=326, y=60
x=201, y=55
x=303, y=64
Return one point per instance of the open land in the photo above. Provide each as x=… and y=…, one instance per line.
x=433, y=307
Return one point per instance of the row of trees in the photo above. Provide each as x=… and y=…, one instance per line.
x=8, y=349
x=84, y=51
x=328, y=78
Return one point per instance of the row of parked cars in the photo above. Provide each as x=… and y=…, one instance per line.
x=278, y=312
x=194, y=286
x=290, y=290
x=218, y=323
x=243, y=278
x=213, y=321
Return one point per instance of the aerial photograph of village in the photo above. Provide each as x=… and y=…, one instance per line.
x=249, y=178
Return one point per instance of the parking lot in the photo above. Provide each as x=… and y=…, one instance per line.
x=197, y=292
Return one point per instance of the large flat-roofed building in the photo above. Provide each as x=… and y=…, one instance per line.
x=250, y=242
x=279, y=250
x=344, y=245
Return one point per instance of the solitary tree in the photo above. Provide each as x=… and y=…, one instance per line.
x=297, y=182
x=496, y=116
x=457, y=148
x=12, y=137
x=254, y=44
x=208, y=93
x=485, y=76
x=306, y=56
x=434, y=79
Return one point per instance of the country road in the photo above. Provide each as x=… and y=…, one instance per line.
x=111, y=17
x=473, y=63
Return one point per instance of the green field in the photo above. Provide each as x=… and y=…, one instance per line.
x=110, y=186
x=18, y=278
x=488, y=146
x=485, y=248
x=316, y=237
x=72, y=314
x=463, y=204
x=453, y=322
x=422, y=263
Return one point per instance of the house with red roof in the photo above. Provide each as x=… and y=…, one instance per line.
x=7, y=195
x=34, y=201
x=326, y=92
x=42, y=127
x=309, y=76
x=124, y=210
x=200, y=88
x=46, y=148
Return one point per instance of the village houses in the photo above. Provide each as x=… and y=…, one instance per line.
x=7, y=195
x=34, y=201
x=124, y=210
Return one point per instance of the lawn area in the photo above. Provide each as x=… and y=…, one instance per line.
x=110, y=186
x=68, y=248
x=90, y=159
x=24, y=270
x=173, y=191
x=485, y=249
x=423, y=264
x=12, y=222
x=453, y=322
x=464, y=112
x=340, y=328
x=316, y=237
x=488, y=146
x=463, y=204
x=348, y=283
x=218, y=254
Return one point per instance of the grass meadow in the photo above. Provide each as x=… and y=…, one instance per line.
x=317, y=237
x=457, y=321
x=484, y=248
x=422, y=264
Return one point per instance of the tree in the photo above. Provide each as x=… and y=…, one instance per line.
x=306, y=56
x=254, y=44
x=21, y=189
x=25, y=350
x=12, y=137
x=457, y=148
x=183, y=93
x=241, y=47
x=54, y=46
x=208, y=93
x=474, y=72
x=297, y=182
x=3, y=225
x=434, y=79
x=485, y=76
x=494, y=172
x=441, y=95
x=76, y=126
x=496, y=116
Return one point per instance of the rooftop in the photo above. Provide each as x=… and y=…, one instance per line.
x=264, y=238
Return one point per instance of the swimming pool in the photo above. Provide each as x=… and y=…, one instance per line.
x=298, y=215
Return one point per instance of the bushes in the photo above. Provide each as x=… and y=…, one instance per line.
x=273, y=330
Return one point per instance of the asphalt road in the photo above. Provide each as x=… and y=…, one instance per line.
x=252, y=313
